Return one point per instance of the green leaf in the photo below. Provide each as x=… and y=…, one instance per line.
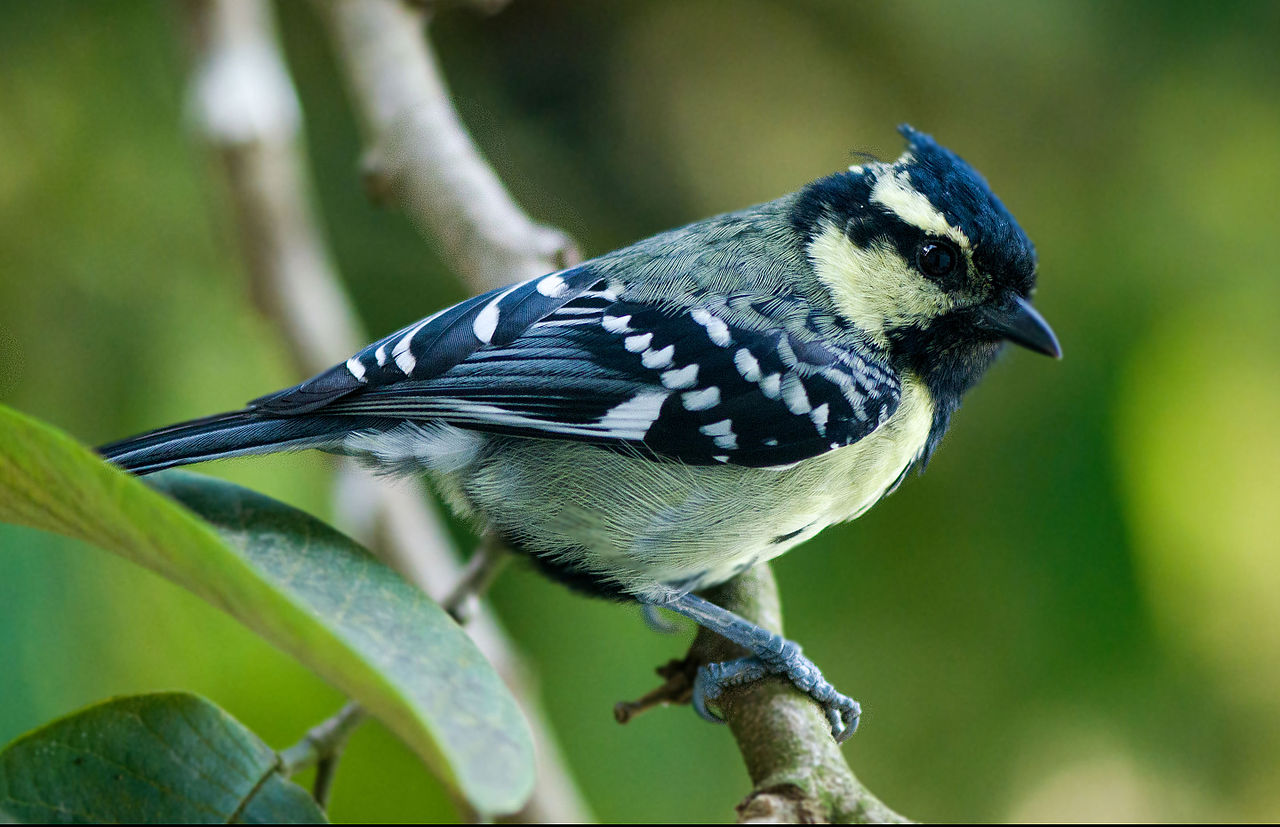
x=300, y=584
x=167, y=757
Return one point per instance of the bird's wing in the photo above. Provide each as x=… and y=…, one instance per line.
x=427, y=348
x=680, y=383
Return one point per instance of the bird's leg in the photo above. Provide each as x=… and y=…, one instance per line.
x=772, y=654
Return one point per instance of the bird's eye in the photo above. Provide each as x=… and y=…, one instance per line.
x=937, y=258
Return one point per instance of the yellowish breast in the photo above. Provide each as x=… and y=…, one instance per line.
x=659, y=525
x=858, y=475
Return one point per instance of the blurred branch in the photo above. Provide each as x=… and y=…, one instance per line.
x=481, y=570
x=243, y=104
x=322, y=747
x=797, y=769
x=419, y=156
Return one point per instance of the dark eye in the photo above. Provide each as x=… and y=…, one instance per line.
x=937, y=258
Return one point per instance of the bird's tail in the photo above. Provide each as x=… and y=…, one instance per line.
x=234, y=434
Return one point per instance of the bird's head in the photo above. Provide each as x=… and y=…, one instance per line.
x=923, y=258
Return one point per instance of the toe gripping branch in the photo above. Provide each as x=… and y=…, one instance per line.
x=772, y=654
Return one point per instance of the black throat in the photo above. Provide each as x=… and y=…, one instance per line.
x=949, y=360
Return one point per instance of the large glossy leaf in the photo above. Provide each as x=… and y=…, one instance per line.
x=300, y=584
x=154, y=759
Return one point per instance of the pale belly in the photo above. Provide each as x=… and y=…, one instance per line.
x=650, y=528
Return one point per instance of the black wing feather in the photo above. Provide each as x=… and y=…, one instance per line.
x=596, y=369
x=431, y=346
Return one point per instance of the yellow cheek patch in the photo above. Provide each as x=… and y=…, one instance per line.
x=893, y=191
x=873, y=287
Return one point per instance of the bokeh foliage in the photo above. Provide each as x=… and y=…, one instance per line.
x=1071, y=615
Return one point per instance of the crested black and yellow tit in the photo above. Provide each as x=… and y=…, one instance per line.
x=659, y=419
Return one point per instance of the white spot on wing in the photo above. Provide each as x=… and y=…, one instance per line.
x=632, y=419
x=717, y=330
x=356, y=369
x=793, y=395
x=684, y=377
x=747, y=365
x=616, y=324
x=722, y=428
x=722, y=434
x=553, y=287
x=404, y=358
x=637, y=343
x=658, y=359
x=701, y=400
x=486, y=322
x=819, y=416
x=771, y=385
x=785, y=352
x=381, y=355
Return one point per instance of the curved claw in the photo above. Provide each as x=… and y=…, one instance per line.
x=843, y=719
x=774, y=655
x=842, y=712
x=655, y=621
x=712, y=679
x=705, y=688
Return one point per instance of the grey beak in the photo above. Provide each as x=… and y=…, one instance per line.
x=1019, y=322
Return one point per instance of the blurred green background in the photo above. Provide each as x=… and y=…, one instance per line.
x=1074, y=615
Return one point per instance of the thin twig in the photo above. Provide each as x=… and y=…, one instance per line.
x=321, y=747
x=482, y=569
x=676, y=689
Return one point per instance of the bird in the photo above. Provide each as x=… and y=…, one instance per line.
x=652, y=422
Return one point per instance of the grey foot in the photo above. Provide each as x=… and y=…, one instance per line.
x=772, y=655
x=842, y=711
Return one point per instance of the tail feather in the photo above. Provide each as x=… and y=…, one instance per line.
x=235, y=434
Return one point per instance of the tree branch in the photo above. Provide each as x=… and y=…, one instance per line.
x=242, y=102
x=419, y=155
x=797, y=769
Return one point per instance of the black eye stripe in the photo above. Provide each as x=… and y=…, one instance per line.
x=883, y=227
